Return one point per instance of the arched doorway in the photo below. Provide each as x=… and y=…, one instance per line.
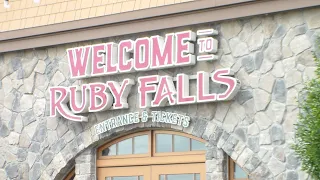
x=152, y=155
x=96, y=160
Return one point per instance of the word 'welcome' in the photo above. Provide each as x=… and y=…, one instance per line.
x=156, y=52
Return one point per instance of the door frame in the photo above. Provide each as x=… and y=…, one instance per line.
x=153, y=172
x=164, y=161
x=194, y=168
x=144, y=171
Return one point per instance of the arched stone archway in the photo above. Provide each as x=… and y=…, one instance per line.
x=220, y=144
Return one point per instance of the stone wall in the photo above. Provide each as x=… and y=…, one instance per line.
x=270, y=54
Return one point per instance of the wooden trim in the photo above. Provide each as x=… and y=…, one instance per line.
x=200, y=158
x=179, y=153
x=70, y=175
x=136, y=165
x=124, y=156
x=153, y=172
x=163, y=17
x=195, y=168
x=145, y=171
x=150, y=158
x=152, y=145
x=231, y=171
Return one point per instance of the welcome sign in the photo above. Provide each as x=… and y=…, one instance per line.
x=143, y=54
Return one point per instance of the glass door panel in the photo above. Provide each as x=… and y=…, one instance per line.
x=179, y=172
x=125, y=173
x=180, y=177
x=125, y=178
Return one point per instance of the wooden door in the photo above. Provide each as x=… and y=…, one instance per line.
x=152, y=155
x=125, y=173
x=194, y=171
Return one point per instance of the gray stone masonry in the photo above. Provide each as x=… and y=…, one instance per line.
x=272, y=56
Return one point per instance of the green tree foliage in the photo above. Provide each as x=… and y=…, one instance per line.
x=307, y=144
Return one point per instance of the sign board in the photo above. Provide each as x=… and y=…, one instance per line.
x=143, y=54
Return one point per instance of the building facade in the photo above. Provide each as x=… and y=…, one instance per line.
x=194, y=124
